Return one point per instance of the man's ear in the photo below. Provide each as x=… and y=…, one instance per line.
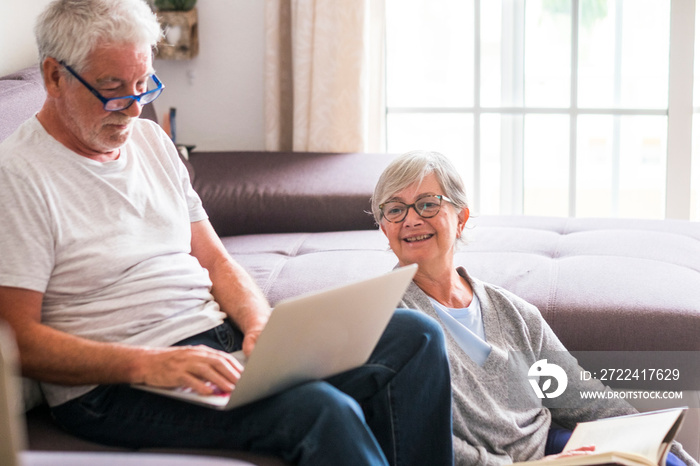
x=52, y=76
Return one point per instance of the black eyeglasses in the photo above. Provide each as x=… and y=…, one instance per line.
x=116, y=104
x=426, y=207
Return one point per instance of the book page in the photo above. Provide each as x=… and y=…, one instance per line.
x=617, y=458
x=640, y=433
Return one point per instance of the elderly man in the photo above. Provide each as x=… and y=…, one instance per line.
x=111, y=274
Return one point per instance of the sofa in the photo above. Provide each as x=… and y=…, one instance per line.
x=299, y=222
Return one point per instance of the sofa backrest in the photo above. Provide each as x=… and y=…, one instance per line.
x=21, y=96
x=247, y=192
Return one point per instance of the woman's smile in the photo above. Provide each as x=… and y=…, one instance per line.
x=417, y=238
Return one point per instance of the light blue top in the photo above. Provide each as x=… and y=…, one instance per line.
x=467, y=328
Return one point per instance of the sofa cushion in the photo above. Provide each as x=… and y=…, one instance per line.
x=34, y=458
x=602, y=284
x=46, y=436
x=21, y=94
x=279, y=192
x=290, y=264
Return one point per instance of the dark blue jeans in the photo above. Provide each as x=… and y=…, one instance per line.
x=396, y=409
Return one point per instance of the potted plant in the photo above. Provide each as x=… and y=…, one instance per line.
x=174, y=5
x=179, y=21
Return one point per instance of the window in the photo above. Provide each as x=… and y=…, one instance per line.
x=549, y=107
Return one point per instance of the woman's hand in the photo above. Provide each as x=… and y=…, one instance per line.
x=581, y=451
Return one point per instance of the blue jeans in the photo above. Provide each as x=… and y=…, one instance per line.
x=396, y=409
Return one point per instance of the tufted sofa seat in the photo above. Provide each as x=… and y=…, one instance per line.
x=603, y=285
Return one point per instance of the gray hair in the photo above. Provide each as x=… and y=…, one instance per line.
x=412, y=167
x=68, y=30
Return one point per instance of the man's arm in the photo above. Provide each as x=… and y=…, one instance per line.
x=50, y=355
x=235, y=291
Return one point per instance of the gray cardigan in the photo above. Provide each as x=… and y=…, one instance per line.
x=497, y=417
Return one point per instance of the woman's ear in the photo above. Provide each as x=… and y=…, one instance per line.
x=462, y=218
x=381, y=227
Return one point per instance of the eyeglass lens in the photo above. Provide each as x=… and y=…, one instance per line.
x=426, y=207
x=121, y=103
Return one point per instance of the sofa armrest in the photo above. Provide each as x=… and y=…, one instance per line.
x=281, y=192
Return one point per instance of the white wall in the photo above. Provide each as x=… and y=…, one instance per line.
x=218, y=94
x=17, y=46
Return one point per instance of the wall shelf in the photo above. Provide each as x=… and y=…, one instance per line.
x=180, y=41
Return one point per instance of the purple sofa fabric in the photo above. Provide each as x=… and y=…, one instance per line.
x=35, y=458
x=602, y=284
x=21, y=96
x=280, y=192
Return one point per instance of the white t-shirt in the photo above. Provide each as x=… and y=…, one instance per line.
x=108, y=244
x=466, y=325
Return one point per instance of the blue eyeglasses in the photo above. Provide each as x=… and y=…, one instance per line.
x=116, y=104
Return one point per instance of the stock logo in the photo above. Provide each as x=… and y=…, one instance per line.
x=542, y=374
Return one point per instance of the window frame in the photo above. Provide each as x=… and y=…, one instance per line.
x=679, y=114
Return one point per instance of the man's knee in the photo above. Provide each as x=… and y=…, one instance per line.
x=320, y=401
x=407, y=322
x=410, y=337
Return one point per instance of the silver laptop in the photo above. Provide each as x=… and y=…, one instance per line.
x=12, y=429
x=312, y=337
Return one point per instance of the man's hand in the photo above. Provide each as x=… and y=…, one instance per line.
x=200, y=368
x=53, y=356
x=250, y=339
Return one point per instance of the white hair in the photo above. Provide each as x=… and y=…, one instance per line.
x=68, y=30
x=411, y=168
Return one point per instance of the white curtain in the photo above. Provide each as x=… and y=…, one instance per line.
x=324, y=75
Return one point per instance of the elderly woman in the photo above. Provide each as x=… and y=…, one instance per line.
x=421, y=206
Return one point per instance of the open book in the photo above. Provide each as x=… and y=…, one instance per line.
x=638, y=439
